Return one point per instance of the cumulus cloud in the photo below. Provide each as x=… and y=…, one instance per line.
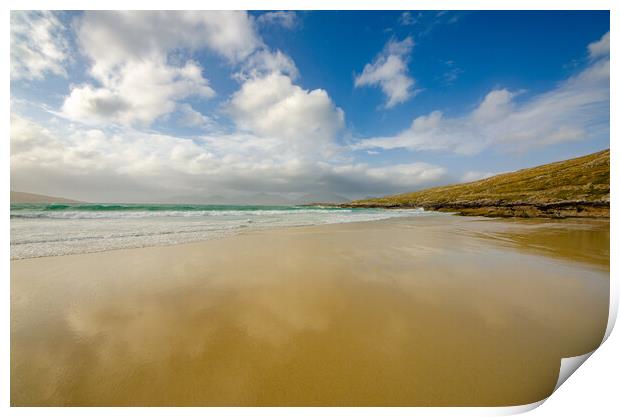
x=577, y=109
x=38, y=45
x=94, y=104
x=265, y=62
x=273, y=107
x=277, y=112
x=286, y=19
x=111, y=38
x=389, y=71
x=138, y=93
x=137, y=60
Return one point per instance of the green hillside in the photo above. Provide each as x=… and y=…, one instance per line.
x=573, y=188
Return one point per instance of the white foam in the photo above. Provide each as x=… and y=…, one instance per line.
x=69, y=232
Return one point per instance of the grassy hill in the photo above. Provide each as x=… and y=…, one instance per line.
x=573, y=188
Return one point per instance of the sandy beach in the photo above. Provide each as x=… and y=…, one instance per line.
x=410, y=311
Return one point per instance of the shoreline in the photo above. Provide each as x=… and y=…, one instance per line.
x=229, y=234
x=555, y=210
x=293, y=227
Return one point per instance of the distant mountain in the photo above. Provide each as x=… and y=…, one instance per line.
x=576, y=187
x=260, y=199
x=327, y=197
x=264, y=199
x=195, y=199
x=20, y=197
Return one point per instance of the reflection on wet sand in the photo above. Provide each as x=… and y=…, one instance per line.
x=582, y=241
x=425, y=311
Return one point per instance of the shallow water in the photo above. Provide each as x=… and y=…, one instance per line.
x=411, y=311
x=63, y=229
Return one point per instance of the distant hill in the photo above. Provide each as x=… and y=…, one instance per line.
x=317, y=198
x=19, y=197
x=260, y=199
x=265, y=199
x=573, y=188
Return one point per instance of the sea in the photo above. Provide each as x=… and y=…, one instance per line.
x=61, y=229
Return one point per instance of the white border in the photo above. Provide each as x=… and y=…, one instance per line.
x=314, y=5
x=593, y=390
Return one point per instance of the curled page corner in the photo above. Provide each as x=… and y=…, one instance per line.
x=519, y=409
x=613, y=312
x=569, y=365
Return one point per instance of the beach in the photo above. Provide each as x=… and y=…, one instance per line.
x=407, y=311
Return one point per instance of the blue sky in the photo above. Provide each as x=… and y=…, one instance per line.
x=139, y=106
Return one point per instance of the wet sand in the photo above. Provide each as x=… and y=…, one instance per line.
x=417, y=312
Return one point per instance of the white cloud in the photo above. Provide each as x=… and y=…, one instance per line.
x=193, y=118
x=496, y=105
x=38, y=45
x=286, y=19
x=273, y=107
x=405, y=175
x=577, y=109
x=265, y=62
x=26, y=135
x=129, y=165
x=389, y=71
x=138, y=94
x=599, y=48
x=111, y=38
x=364, y=179
x=95, y=105
x=109, y=165
x=137, y=58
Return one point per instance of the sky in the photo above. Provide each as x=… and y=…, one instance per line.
x=172, y=106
